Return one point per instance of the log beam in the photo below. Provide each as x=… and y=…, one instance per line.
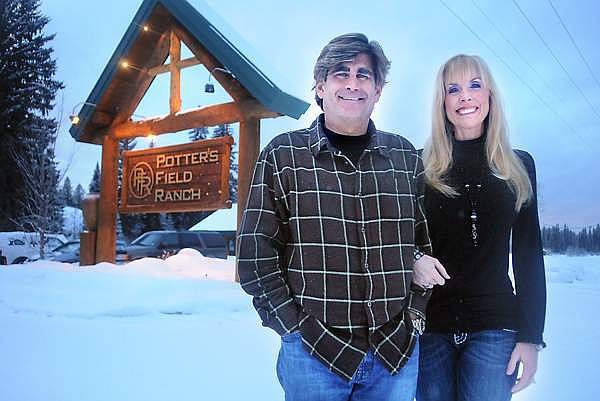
x=161, y=69
x=102, y=118
x=231, y=85
x=174, y=69
x=141, y=85
x=107, y=211
x=205, y=116
x=249, y=146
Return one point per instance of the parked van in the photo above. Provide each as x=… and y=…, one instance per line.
x=19, y=246
x=159, y=244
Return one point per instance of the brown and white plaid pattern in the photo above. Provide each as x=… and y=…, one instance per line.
x=326, y=247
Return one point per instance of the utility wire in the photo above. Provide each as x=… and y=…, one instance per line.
x=574, y=44
x=521, y=56
x=556, y=59
x=513, y=71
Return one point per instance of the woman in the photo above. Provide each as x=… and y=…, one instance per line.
x=479, y=191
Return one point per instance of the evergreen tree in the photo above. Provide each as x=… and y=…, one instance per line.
x=225, y=130
x=78, y=196
x=66, y=193
x=135, y=226
x=119, y=226
x=27, y=92
x=233, y=175
x=221, y=130
x=197, y=134
x=151, y=222
x=167, y=221
x=95, y=183
x=596, y=239
x=565, y=240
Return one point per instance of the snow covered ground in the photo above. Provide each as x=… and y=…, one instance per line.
x=181, y=329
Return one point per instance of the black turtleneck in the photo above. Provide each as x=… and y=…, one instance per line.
x=351, y=146
x=480, y=296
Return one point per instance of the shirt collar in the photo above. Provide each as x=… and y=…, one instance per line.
x=318, y=139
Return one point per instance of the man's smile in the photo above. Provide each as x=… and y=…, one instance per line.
x=353, y=98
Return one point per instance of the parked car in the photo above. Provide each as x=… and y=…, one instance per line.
x=159, y=244
x=69, y=252
x=20, y=246
x=230, y=237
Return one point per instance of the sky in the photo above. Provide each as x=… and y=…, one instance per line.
x=181, y=329
x=544, y=55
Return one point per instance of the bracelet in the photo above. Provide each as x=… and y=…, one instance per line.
x=419, y=325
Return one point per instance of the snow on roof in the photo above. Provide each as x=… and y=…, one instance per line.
x=221, y=220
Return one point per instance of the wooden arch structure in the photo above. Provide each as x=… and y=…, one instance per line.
x=157, y=32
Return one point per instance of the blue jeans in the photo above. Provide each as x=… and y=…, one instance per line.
x=466, y=367
x=304, y=378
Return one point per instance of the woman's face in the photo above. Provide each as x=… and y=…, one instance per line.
x=467, y=104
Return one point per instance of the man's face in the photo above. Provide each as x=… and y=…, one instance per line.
x=349, y=94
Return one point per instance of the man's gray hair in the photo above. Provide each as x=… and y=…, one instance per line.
x=343, y=49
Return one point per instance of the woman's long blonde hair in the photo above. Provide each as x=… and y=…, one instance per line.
x=502, y=160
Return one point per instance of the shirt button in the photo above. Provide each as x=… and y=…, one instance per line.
x=366, y=265
x=363, y=229
x=460, y=301
x=369, y=304
x=360, y=194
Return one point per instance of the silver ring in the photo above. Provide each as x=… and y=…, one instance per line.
x=428, y=286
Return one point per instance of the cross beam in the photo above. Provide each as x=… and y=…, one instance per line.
x=205, y=116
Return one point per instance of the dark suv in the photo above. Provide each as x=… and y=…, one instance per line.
x=157, y=244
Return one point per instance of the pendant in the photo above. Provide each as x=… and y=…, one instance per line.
x=474, y=234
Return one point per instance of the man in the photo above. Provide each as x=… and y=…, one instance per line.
x=329, y=237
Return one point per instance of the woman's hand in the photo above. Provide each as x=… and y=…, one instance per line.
x=428, y=271
x=527, y=354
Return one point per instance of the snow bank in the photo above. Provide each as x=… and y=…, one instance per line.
x=583, y=270
x=182, y=284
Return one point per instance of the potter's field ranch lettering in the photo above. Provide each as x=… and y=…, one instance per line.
x=189, y=177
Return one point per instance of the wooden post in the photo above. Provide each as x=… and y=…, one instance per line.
x=175, y=69
x=249, y=148
x=107, y=214
x=87, y=239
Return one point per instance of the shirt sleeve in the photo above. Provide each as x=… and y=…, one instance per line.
x=422, y=240
x=418, y=297
x=528, y=264
x=262, y=239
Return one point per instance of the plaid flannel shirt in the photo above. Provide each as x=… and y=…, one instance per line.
x=327, y=247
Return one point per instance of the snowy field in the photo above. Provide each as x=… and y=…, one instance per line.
x=181, y=329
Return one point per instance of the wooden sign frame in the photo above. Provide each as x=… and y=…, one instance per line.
x=180, y=178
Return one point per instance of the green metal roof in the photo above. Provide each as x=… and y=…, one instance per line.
x=208, y=35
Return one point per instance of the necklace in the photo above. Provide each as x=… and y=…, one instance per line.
x=473, y=195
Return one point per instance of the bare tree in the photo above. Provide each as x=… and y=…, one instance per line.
x=41, y=211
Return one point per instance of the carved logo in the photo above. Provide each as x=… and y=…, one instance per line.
x=141, y=180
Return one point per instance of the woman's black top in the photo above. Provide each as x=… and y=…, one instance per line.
x=480, y=295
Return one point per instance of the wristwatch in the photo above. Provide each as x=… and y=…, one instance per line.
x=418, y=254
x=540, y=346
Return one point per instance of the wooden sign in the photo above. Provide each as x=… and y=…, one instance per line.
x=180, y=178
